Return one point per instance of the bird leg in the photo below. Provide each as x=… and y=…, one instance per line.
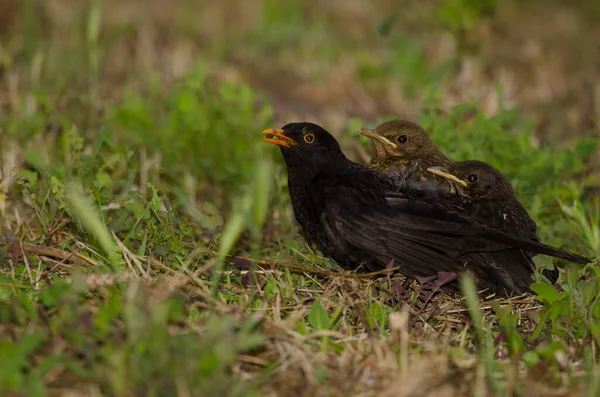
x=431, y=284
x=400, y=288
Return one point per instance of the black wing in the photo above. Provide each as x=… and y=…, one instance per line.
x=423, y=239
x=488, y=230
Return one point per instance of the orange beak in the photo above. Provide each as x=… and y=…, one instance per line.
x=277, y=137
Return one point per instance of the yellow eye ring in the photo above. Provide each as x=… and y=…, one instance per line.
x=309, y=138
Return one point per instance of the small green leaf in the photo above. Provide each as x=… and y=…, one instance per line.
x=34, y=159
x=30, y=176
x=302, y=328
x=232, y=231
x=54, y=293
x=320, y=372
x=530, y=358
x=89, y=216
x=318, y=317
x=546, y=292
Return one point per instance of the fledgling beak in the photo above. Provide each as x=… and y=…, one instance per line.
x=438, y=171
x=370, y=133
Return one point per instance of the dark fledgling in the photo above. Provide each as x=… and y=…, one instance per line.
x=362, y=219
x=489, y=197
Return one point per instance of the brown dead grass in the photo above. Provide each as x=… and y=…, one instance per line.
x=369, y=365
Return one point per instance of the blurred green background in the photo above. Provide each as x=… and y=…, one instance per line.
x=194, y=81
x=177, y=93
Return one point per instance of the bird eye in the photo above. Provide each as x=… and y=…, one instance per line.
x=472, y=178
x=309, y=138
x=402, y=138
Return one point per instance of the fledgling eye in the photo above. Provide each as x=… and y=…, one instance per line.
x=472, y=178
x=402, y=138
x=309, y=138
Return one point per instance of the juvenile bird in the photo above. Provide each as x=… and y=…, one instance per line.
x=361, y=218
x=489, y=197
x=400, y=144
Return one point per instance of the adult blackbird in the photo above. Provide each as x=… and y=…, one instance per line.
x=400, y=144
x=489, y=197
x=360, y=218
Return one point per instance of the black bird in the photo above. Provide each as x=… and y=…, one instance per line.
x=361, y=218
x=490, y=198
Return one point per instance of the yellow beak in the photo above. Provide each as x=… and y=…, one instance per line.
x=437, y=171
x=370, y=133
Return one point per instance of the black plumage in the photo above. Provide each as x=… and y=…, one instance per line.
x=361, y=218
